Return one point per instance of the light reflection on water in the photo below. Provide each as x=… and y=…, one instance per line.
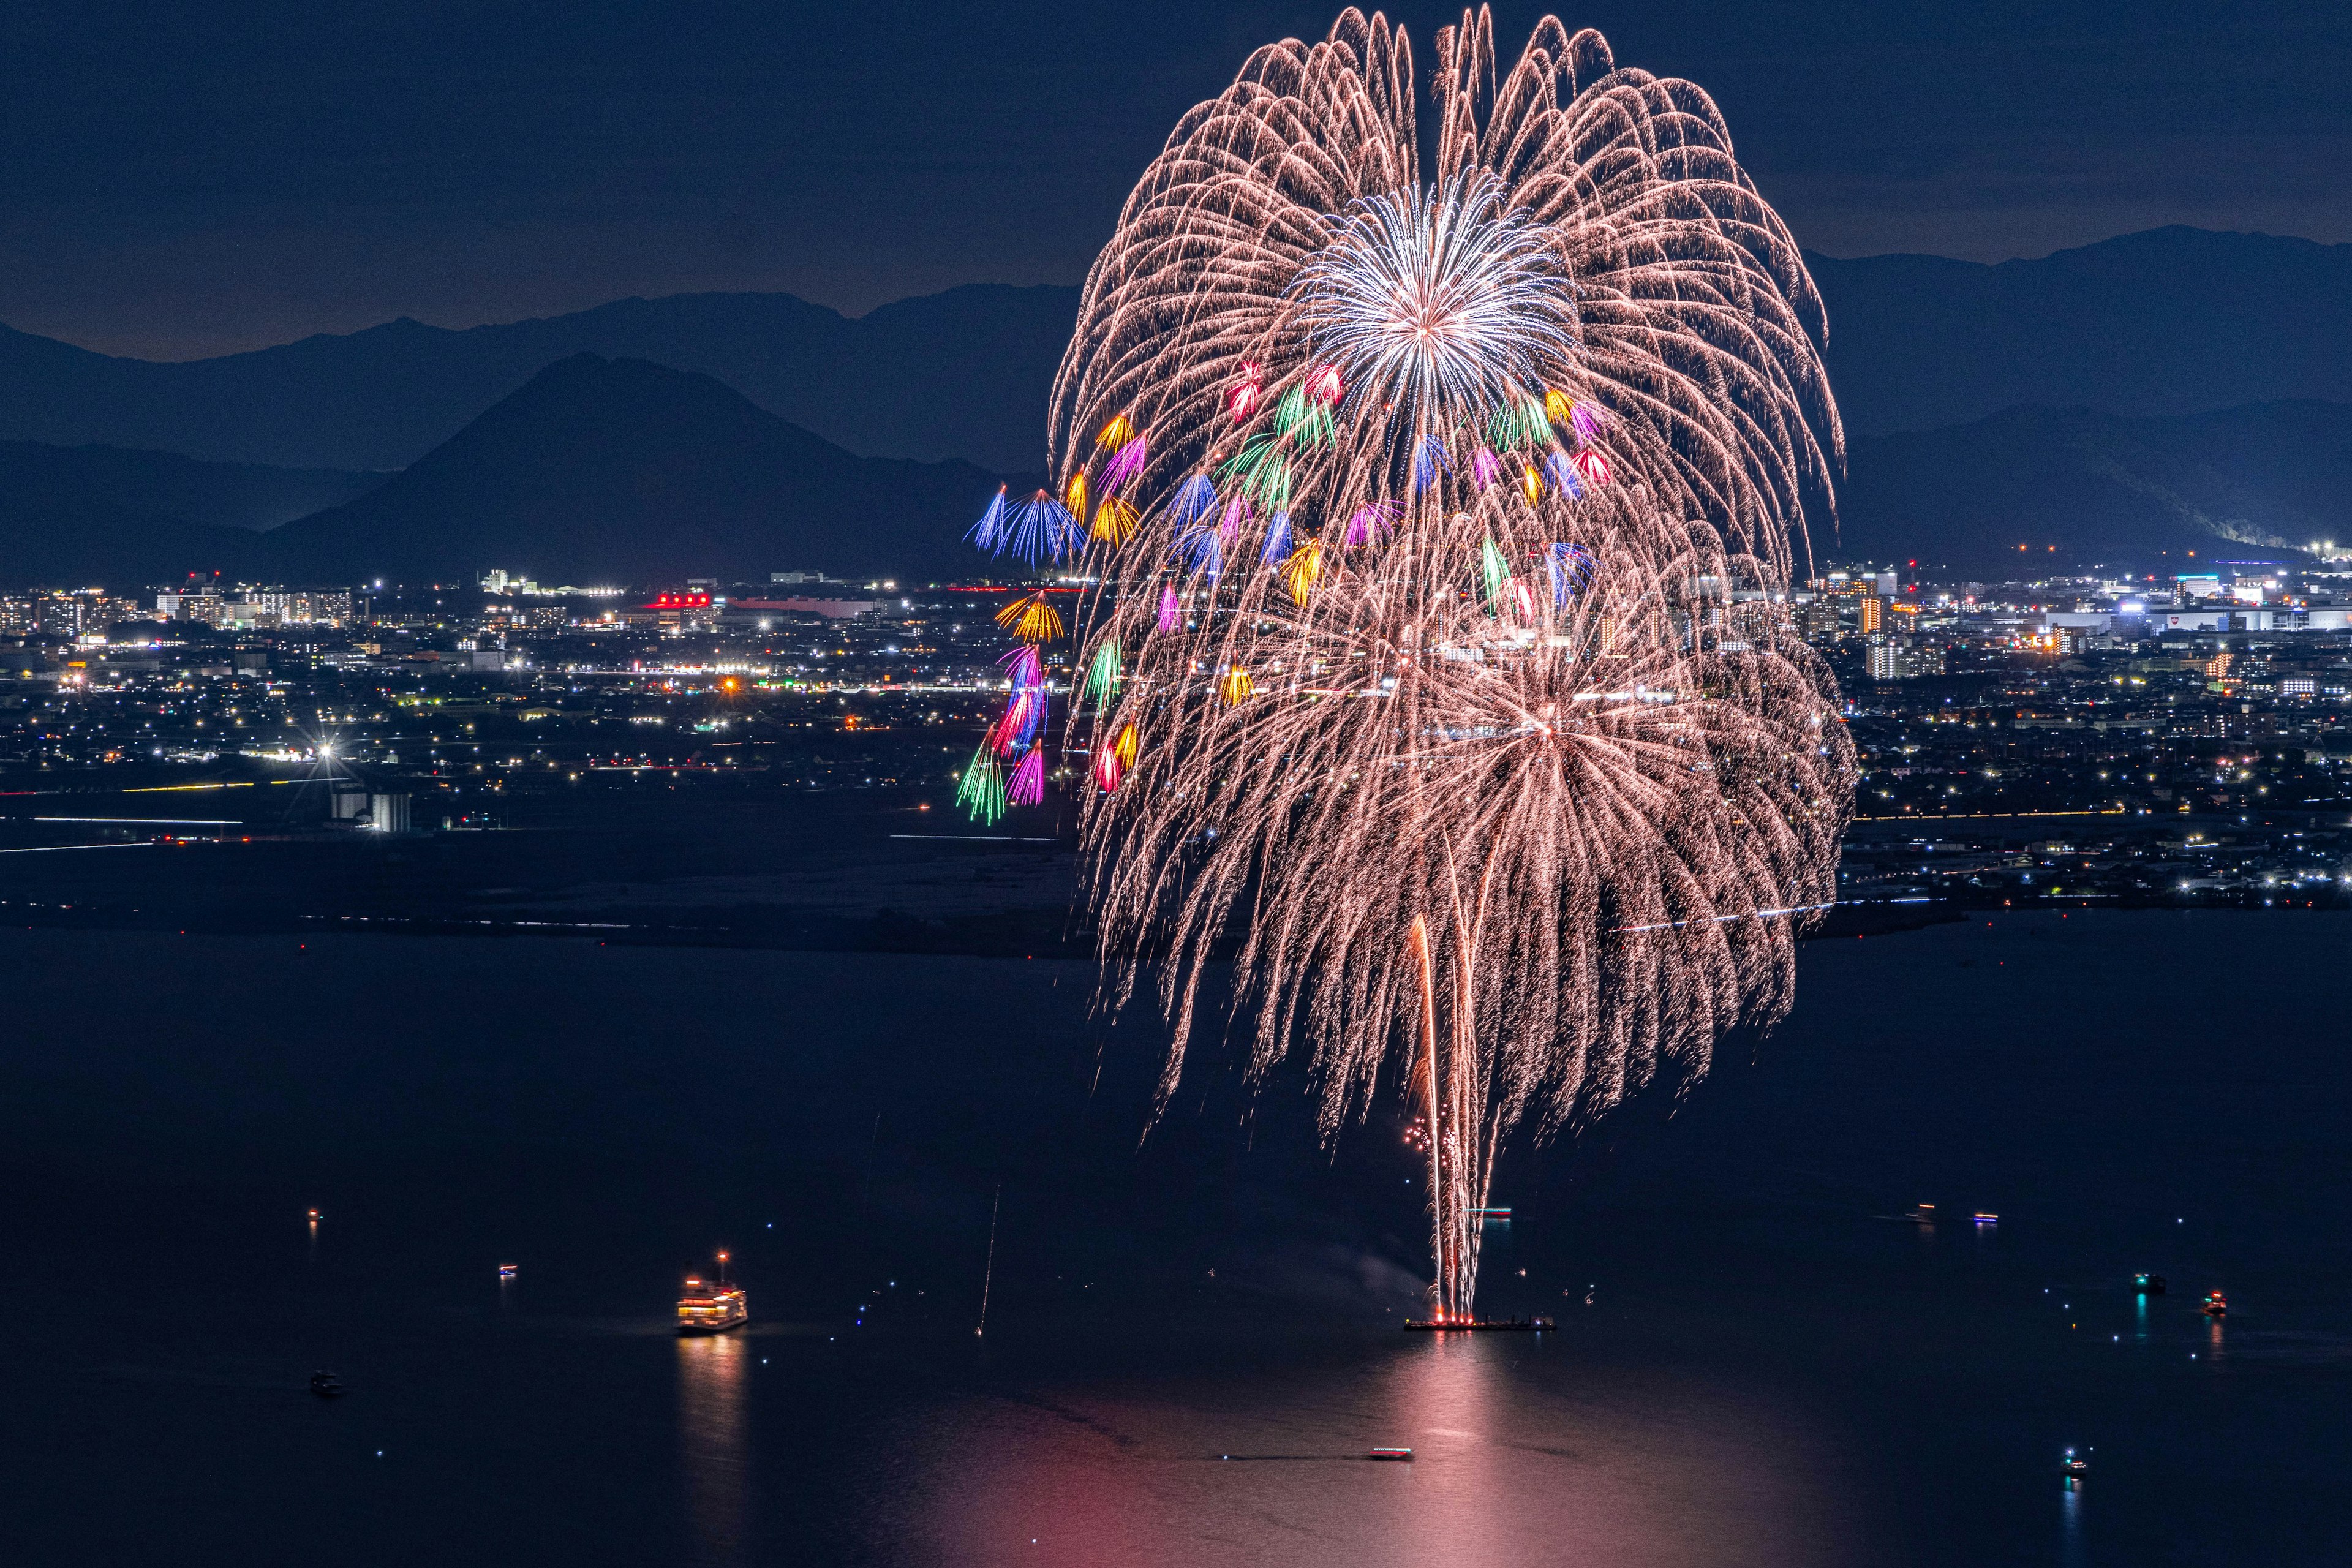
x=1515, y=1461
x=714, y=1444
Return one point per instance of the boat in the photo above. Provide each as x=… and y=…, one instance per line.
x=2071, y=1467
x=1450, y=1325
x=2215, y=1304
x=2148, y=1284
x=711, y=1307
x=327, y=1385
x=1390, y=1454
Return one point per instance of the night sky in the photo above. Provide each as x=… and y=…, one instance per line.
x=189, y=180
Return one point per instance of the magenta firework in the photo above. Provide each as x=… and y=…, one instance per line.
x=1440, y=667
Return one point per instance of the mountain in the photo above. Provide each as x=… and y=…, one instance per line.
x=164, y=484
x=620, y=470
x=2172, y=321
x=78, y=542
x=105, y=514
x=962, y=373
x=2272, y=476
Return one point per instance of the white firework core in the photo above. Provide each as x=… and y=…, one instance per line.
x=1436, y=303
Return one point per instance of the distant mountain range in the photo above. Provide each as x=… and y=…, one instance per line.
x=2173, y=320
x=621, y=470
x=2075, y=488
x=595, y=471
x=962, y=373
x=730, y=434
x=107, y=514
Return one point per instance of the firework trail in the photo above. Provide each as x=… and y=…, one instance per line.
x=1439, y=671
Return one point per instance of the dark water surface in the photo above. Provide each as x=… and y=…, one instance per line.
x=1191, y=1344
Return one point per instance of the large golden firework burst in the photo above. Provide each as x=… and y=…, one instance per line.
x=1440, y=668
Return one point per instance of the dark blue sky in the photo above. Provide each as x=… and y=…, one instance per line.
x=178, y=180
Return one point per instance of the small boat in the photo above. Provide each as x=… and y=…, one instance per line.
x=506, y=1270
x=711, y=1307
x=1449, y=1325
x=327, y=1385
x=2215, y=1304
x=2071, y=1467
x=1390, y=1454
x=2148, y=1284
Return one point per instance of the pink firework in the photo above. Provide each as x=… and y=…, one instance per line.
x=1245, y=393
x=1507, y=845
x=1028, y=784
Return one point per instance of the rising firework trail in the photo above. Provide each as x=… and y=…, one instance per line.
x=1441, y=671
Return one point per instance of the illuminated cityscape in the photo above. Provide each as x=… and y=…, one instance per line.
x=2097, y=739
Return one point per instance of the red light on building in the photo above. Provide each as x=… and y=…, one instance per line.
x=680, y=600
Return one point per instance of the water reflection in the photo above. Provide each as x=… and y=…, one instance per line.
x=714, y=1443
x=1444, y=1402
x=2070, y=1522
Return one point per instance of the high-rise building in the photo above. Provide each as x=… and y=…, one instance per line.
x=1886, y=661
x=1874, y=613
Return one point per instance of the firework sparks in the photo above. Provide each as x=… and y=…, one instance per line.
x=1516, y=822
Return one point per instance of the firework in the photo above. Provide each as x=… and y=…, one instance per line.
x=1028, y=786
x=1031, y=618
x=1506, y=823
x=981, y=789
x=1037, y=531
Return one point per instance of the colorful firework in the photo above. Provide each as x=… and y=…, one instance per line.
x=1037, y=531
x=1515, y=824
x=981, y=789
x=1028, y=786
x=1031, y=618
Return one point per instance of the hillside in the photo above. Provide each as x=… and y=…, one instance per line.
x=2268, y=475
x=2172, y=321
x=624, y=471
x=962, y=373
x=105, y=514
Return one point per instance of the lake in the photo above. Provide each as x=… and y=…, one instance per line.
x=1191, y=1339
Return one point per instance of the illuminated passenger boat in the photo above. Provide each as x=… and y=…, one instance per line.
x=2215, y=1304
x=711, y=1308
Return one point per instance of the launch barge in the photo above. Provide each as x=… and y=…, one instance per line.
x=1465, y=1325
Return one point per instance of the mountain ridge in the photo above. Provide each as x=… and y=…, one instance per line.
x=2168, y=321
x=2101, y=487
x=622, y=471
